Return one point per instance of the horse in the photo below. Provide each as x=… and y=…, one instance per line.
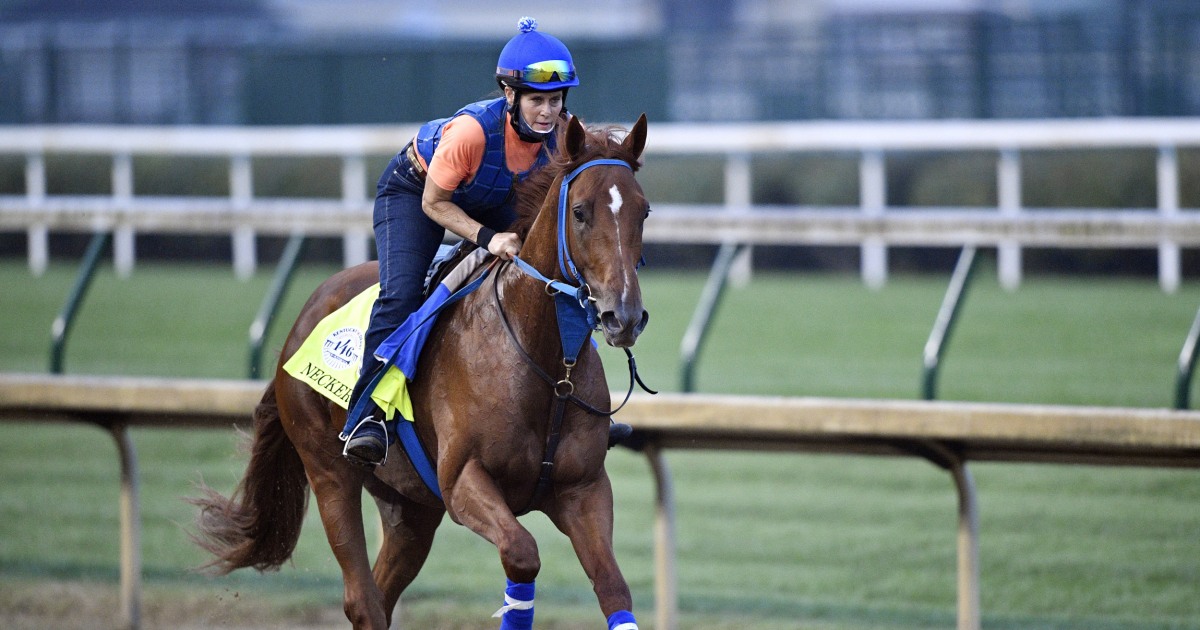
x=482, y=408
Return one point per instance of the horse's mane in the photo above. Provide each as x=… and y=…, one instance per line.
x=600, y=142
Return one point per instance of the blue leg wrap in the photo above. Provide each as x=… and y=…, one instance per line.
x=517, y=612
x=622, y=620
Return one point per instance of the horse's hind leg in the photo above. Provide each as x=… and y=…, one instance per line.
x=337, y=485
x=408, y=530
x=338, y=489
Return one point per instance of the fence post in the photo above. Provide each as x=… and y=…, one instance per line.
x=35, y=193
x=1167, y=168
x=354, y=193
x=738, y=198
x=946, y=317
x=1187, y=366
x=666, y=591
x=131, y=530
x=1008, y=201
x=872, y=178
x=241, y=192
x=123, y=235
x=706, y=308
x=270, y=305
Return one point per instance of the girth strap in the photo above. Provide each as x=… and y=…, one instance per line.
x=405, y=430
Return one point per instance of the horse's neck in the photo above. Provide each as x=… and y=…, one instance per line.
x=534, y=318
x=541, y=243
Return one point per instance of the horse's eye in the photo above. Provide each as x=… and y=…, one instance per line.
x=647, y=215
x=577, y=210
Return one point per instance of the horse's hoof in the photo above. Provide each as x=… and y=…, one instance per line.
x=618, y=432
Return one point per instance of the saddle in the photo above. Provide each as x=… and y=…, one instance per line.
x=447, y=258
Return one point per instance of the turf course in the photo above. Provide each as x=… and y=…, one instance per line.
x=766, y=541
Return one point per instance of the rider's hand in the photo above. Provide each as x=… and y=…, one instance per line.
x=505, y=245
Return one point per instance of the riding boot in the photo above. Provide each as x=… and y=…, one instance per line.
x=618, y=432
x=367, y=444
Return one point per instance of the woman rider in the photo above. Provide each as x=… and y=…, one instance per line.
x=457, y=174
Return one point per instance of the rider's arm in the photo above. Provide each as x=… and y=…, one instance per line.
x=437, y=204
x=457, y=158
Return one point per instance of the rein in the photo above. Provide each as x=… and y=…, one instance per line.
x=564, y=388
x=577, y=319
x=564, y=392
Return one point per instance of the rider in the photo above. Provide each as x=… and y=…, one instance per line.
x=457, y=174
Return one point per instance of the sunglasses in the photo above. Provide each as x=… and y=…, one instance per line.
x=542, y=72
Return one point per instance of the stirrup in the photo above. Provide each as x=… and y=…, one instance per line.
x=349, y=438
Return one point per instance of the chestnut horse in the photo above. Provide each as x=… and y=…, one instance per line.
x=482, y=412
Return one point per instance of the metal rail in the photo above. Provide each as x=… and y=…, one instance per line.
x=947, y=434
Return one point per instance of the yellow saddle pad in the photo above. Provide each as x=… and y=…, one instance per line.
x=330, y=358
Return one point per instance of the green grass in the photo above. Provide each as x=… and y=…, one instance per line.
x=765, y=541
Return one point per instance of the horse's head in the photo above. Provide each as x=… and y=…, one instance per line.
x=605, y=208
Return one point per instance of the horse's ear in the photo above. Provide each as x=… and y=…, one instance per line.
x=576, y=136
x=636, y=139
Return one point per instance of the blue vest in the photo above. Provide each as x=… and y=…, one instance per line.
x=493, y=182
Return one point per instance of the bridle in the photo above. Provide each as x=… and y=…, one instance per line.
x=577, y=319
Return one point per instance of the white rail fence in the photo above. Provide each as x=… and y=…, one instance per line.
x=871, y=224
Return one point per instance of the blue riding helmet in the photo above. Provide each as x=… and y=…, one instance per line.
x=534, y=62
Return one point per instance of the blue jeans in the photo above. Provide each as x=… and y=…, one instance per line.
x=406, y=240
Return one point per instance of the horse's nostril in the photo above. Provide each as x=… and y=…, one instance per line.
x=613, y=322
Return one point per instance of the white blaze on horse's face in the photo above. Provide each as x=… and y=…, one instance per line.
x=619, y=301
x=615, y=206
x=615, y=193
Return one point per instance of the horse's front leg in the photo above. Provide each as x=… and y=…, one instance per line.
x=584, y=512
x=474, y=500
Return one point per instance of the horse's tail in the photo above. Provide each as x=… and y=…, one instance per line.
x=259, y=524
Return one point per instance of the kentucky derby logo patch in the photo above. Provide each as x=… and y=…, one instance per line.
x=343, y=348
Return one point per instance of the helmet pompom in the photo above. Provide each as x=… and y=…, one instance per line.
x=527, y=25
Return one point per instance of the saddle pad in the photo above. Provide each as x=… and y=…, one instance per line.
x=330, y=359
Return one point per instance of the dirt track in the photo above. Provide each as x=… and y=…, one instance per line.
x=86, y=605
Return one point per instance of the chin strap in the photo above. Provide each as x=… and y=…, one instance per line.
x=524, y=131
